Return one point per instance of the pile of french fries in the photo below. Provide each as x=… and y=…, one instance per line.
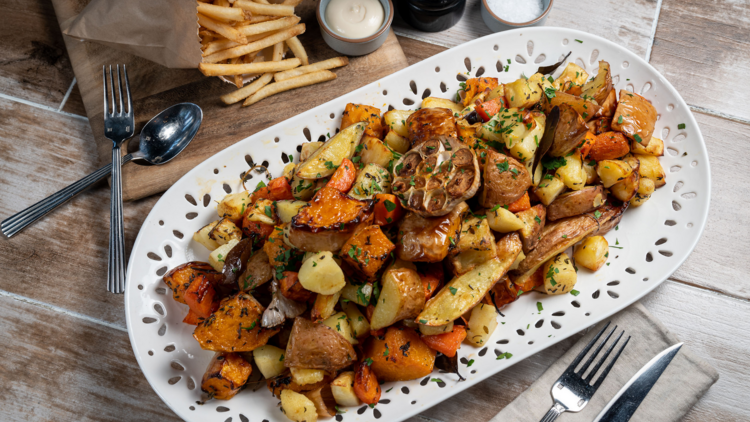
x=247, y=39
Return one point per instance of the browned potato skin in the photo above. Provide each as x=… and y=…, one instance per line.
x=576, y=202
x=626, y=189
x=355, y=113
x=316, y=346
x=330, y=219
x=638, y=117
x=579, y=104
x=503, y=187
x=613, y=215
x=226, y=374
x=286, y=382
x=534, y=219
x=423, y=239
x=569, y=133
x=375, y=248
x=228, y=329
x=179, y=278
x=430, y=123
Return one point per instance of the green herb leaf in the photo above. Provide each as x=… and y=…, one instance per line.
x=681, y=126
x=389, y=206
x=539, y=306
x=575, y=292
x=453, y=290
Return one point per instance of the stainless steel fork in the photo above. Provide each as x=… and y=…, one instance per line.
x=118, y=127
x=572, y=391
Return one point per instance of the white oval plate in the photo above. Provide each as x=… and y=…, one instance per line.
x=649, y=245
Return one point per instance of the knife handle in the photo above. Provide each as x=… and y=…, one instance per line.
x=556, y=410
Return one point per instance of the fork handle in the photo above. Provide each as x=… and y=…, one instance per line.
x=556, y=410
x=19, y=221
x=116, y=262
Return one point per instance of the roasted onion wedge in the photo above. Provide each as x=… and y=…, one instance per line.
x=422, y=239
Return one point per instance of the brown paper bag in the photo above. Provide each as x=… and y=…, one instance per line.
x=163, y=31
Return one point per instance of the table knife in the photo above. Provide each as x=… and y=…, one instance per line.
x=630, y=396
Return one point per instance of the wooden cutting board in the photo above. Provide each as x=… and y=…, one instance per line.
x=154, y=88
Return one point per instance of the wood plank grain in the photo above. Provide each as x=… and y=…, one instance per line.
x=62, y=259
x=627, y=23
x=703, y=49
x=60, y=368
x=705, y=321
x=34, y=65
x=717, y=261
x=416, y=50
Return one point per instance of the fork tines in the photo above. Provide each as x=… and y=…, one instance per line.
x=110, y=109
x=571, y=369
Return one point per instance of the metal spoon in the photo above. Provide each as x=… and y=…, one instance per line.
x=162, y=139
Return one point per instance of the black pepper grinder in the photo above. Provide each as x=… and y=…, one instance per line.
x=431, y=15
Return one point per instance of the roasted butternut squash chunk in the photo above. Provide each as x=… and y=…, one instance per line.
x=180, y=277
x=355, y=113
x=400, y=355
x=226, y=374
x=234, y=327
x=328, y=221
x=475, y=86
x=367, y=251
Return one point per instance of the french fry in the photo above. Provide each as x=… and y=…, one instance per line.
x=217, y=69
x=265, y=9
x=278, y=52
x=298, y=82
x=269, y=26
x=292, y=3
x=222, y=29
x=262, y=1
x=223, y=44
x=223, y=3
x=238, y=79
x=324, y=65
x=249, y=20
x=241, y=50
x=248, y=90
x=299, y=51
x=221, y=13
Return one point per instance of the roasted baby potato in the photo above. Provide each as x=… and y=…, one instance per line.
x=366, y=251
x=430, y=123
x=324, y=161
x=375, y=151
x=569, y=132
x=287, y=209
x=576, y=202
x=559, y=275
x=371, y=180
x=400, y=355
x=600, y=86
x=343, y=389
x=308, y=148
x=572, y=173
x=592, y=253
x=357, y=293
x=476, y=245
x=635, y=117
x=396, y=121
x=655, y=147
x=317, y=346
x=358, y=323
x=422, y=239
x=226, y=374
x=505, y=180
x=179, y=278
x=463, y=292
x=613, y=171
x=304, y=376
x=503, y=221
x=397, y=142
x=270, y=360
x=651, y=168
x=328, y=221
x=533, y=220
x=434, y=102
x=482, y=324
x=297, y=407
x=234, y=327
x=324, y=306
x=549, y=188
x=625, y=190
x=355, y=113
x=340, y=323
x=202, y=236
x=586, y=108
x=321, y=274
x=402, y=296
x=218, y=256
x=232, y=206
x=572, y=76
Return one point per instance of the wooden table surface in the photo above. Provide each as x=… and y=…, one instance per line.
x=66, y=353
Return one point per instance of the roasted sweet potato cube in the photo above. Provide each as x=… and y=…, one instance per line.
x=367, y=251
x=234, y=327
x=292, y=289
x=179, y=278
x=355, y=113
x=226, y=374
x=400, y=355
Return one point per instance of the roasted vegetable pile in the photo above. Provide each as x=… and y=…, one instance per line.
x=400, y=238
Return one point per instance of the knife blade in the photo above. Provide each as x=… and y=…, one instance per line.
x=630, y=396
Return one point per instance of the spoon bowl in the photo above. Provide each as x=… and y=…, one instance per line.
x=168, y=133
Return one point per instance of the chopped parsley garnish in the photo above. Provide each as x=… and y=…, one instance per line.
x=579, y=41
x=539, y=306
x=619, y=120
x=453, y=290
x=503, y=167
x=389, y=206
x=368, y=361
x=575, y=292
x=637, y=138
x=553, y=163
x=681, y=126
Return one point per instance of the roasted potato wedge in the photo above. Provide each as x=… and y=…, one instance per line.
x=505, y=180
x=523, y=93
x=270, y=361
x=572, y=173
x=422, y=239
x=402, y=296
x=650, y=167
x=340, y=323
x=655, y=147
x=466, y=290
x=225, y=376
x=366, y=251
x=298, y=407
x=324, y=306
x=328, y=221
x=572, y=76
x=476, y=245
x=234, y=327
x=287, y=209
x=559, y=275
x=586, y=108
x=304, y=376
x=224, y=231
x=592, y=252
x=635, y=117
x=357, y=293
x=343, y=389
x=232, y=206
x=359, y=324
x=321, y=274
x=533, y=220
x=396, y=121
x=324, y=161
x=549, y=189
x=308, y=148
x=202, y=236
x=397, y=142
x=613, y=171
x=375, y=151
x=355, y=113
x=576, y=202
x=503, y=221
x=317, y=346
x=626, y=189
x=179, y=278
x=219, y=255
x=400, y=355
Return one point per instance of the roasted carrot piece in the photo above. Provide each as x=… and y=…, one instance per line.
x=291, y=288
x=280, y=189
x=609, y=146
x=366, y=385
x=192, y=318
x=200, y=296
x=343, y=177
x=447, y=343
x=588, y=142
x=431, y=284
x=388, y=209
x=536, y=280
x=490, y=108
x=521, y=204
x=475, y=86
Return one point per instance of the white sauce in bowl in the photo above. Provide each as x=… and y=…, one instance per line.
x=354, y=18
